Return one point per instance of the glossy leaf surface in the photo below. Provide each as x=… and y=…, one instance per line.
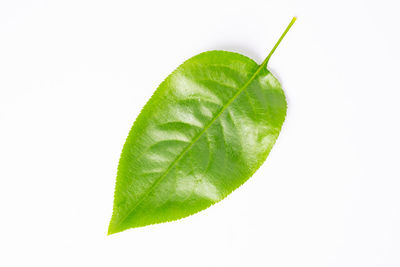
x=207, y=128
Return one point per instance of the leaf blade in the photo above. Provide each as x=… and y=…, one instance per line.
x=249, y=71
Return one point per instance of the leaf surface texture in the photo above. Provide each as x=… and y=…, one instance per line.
x=207, y=128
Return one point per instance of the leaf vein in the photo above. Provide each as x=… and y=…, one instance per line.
x=173, y=163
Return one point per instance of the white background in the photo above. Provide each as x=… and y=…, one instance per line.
x=75, y=74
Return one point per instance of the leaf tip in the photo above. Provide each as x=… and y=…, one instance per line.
x=113, y=228
x=110, y=230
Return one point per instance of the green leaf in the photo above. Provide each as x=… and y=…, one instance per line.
x=208, y=127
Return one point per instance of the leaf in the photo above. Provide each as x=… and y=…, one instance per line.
x=208, y=127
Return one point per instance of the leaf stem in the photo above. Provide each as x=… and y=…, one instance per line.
x=265, y=62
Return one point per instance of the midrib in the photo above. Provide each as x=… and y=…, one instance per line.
x=188, y=147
